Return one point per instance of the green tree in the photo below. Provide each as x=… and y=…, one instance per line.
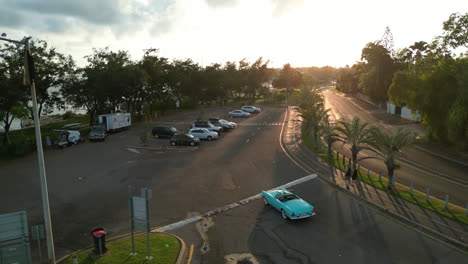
x=456, y=31
x=157, y=90
x=376, y=80
x=388, y=147
x=135, y=81
x=51, y=68
x=288, y=78
x=258, y=74
x=348, y=78
x=356, y=134
x=311, y=107
x=328, y=131
x=12, y=91
x=77, y=92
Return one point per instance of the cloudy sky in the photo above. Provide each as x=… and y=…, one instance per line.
x=302, y=32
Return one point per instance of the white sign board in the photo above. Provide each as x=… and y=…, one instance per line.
x=139, y=208
x=140, y=214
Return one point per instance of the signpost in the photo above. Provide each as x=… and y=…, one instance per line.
x=38, y=234
x=139, y=213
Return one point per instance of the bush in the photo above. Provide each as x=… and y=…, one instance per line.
x=68, y=115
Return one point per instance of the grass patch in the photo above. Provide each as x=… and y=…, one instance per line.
x=164, y=250
x=24, y=141
x=434, y=204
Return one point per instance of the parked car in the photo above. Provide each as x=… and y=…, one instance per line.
x=203, y=133
x=239, y=113
x=222, y=123
x=67, y=138
x=183, y=139
x=289, y=204
x=251, y=109
x=207, y=125
x=98, y=132
x=163, y=131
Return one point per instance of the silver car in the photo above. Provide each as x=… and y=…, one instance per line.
x=251, y=109
x=239, y=113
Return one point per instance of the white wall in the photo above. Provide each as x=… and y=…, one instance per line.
x=408, y=114
x=390, y=108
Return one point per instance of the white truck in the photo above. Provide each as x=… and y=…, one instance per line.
x=115, y=121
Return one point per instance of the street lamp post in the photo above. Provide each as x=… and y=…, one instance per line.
x=40, y=153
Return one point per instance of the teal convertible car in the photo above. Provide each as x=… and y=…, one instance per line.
x=289, y=204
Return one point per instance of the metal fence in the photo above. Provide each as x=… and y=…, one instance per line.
x=343, y=160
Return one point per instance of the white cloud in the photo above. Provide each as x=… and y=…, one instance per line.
x=298, y=31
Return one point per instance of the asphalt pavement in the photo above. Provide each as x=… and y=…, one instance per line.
x=417, y=166
x=88, y=189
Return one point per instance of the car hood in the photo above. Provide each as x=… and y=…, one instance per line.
x=298, y=206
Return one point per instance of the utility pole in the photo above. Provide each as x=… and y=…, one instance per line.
x=29, y=79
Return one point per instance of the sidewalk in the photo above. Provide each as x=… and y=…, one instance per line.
x=404, y=211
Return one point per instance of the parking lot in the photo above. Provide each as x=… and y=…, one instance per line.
x=88, y=182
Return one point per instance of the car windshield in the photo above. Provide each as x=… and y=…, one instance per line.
x=288, y=197
x=222, y=121
x=97, y=129
x=173, y=129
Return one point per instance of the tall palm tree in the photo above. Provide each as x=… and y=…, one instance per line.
x=312, y=118
x=356, y=134
x=328, y=131
x=305, y=97
x=388, y=146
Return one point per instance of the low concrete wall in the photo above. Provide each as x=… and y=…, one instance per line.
x=409, y=114
x=390, y=108
x=406, y=113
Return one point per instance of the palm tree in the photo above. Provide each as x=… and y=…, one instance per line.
x=312, y=117
x=304, y=97
x=328, y=131
x=356, y=134
x=388, y=146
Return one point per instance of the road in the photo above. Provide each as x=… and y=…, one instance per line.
x=424, y=170
x=88, y=188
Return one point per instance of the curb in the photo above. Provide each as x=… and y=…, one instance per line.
x=459, y=244
x=182, y=249
x=179, y=260
x=452, y=241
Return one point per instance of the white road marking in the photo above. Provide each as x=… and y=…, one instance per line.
x=133, y=150
x=187, y=221
x=177, y=224
x=248, y=140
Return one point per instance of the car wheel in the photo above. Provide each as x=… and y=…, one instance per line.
x=173, y=143
x=265, y=200
x=283, y=213
x=192, y=143
x=209, y=138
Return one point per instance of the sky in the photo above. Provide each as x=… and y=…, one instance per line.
x=301, y=32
